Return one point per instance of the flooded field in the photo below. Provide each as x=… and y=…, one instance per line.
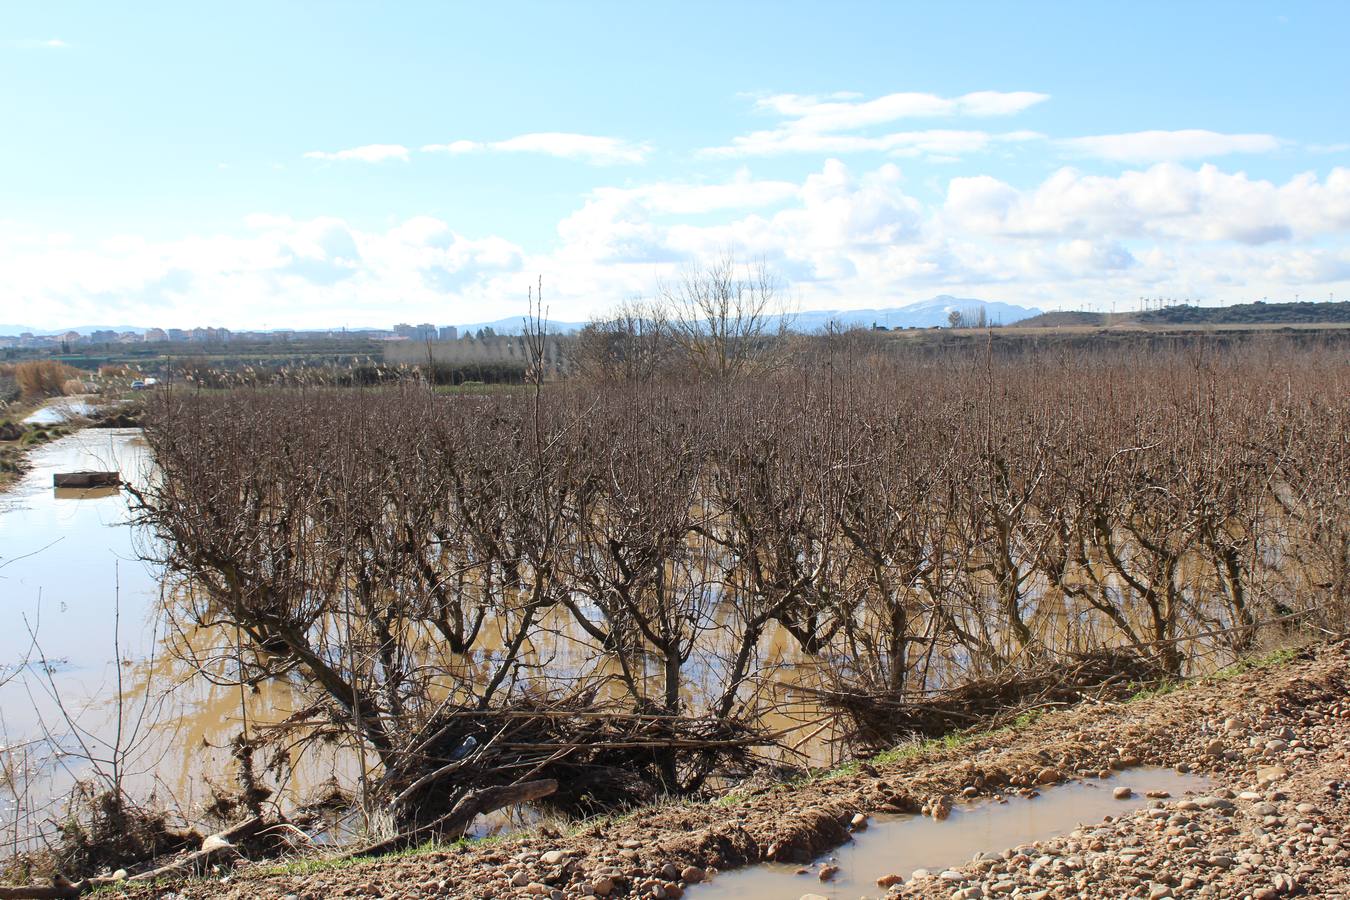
x=61, y=410
x=899, y=845
x=90, y=690
x=98, y=683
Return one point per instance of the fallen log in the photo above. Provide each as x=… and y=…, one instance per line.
x=453, y=824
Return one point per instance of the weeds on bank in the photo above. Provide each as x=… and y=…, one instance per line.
x=1247, y=664
x=1252, y=663
x=1030, y=717
x=310, y=865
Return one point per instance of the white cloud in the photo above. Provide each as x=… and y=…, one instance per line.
x=371, y=153
x=1159, y=146
x=280, y=271
x=829, y=124
x=1165, y=201
x=841, y=237
x=589, y=148
x=40, y=44
x=943, y=144
x=848, y=112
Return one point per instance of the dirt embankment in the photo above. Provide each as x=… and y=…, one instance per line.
x=1275, y=739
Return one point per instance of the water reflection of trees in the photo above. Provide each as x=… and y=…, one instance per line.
x=481, y=589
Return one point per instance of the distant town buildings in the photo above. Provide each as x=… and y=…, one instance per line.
x=69, y=340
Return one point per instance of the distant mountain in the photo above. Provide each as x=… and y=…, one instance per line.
x=515, y=325
x=923, y=314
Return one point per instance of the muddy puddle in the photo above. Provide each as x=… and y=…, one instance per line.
x=898, y=845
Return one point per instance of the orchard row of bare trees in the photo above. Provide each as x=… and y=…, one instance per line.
x=597, y=584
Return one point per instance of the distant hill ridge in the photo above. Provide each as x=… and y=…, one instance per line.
x=1302, y=312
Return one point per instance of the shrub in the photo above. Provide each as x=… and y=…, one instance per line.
x=43, y=378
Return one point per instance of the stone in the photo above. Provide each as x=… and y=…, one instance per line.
x=1122, y=793
x=1049, y=775
x=859, y=822
x=692, y=874
x=1270, y=774
x=886, y=881
x=603, y=886
x=553, y=857
x=828, y=871
x=215, y=842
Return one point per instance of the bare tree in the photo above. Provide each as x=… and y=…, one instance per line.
x=727, y=317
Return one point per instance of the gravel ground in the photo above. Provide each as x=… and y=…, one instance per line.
x=1273, y=739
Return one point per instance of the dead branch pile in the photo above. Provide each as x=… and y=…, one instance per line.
x=880, y=718
x=602, y=756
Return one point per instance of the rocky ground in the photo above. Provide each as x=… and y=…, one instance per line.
x=1274, y=739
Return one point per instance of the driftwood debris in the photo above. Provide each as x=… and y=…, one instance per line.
x=220, y=844
x=880, y=717
x=454, y=823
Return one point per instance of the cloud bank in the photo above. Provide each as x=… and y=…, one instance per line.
x=839, y=237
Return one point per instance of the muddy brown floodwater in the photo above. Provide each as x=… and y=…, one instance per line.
x=78, y=608
x=898, y=845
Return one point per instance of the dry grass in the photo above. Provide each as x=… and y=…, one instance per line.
x=39, y=379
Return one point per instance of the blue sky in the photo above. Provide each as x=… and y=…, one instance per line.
x=306, y=164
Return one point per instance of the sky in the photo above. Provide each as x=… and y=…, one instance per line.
x=294, y=165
